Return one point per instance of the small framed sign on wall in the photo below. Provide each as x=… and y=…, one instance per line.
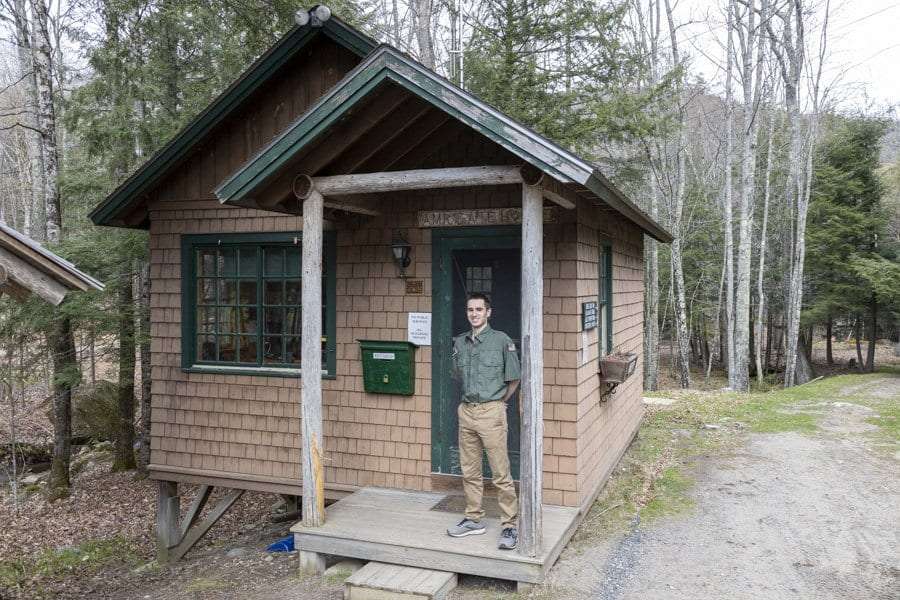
x=589, y=315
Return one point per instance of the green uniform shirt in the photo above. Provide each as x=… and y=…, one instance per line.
x=485, y=363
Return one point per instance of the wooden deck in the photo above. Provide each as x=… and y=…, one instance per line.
x=405, y=528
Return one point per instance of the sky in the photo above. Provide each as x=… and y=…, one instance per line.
x=863, y=66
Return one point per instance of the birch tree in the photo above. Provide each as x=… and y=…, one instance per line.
x=676, y=209
x=62, y=339
x=424, y=17
x=752, y=45
x=789, y=45
x=728, y=201
x=37, y=186
x=761, y=268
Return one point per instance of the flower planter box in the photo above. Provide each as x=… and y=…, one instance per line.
x=616, y=368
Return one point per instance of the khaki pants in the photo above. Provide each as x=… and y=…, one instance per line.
x=484, y=426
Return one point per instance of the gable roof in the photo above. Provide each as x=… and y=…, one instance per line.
x=170, y=155
x=386, y=64
x=33, y=269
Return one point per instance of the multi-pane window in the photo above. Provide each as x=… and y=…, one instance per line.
x=604, y=300
x=242, y=304
x=478, y=279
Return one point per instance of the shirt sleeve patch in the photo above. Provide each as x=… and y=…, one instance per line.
x=510, y=347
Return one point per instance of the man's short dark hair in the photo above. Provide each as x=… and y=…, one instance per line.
x=479, y=296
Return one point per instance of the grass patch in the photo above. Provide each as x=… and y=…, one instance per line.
x=670, y=495
x=203, y=584
x=56, y=563
x=888, y=421
x=337, y=577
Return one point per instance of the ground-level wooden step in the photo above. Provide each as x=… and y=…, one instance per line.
x=381, y=581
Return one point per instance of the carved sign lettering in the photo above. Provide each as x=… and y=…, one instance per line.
x=479, y=217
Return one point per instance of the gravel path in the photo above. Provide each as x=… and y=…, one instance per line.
x=787, y=516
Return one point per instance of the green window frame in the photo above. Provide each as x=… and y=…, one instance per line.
x=240, y=309
x=605, y=298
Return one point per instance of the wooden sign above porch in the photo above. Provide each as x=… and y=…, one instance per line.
x=479, y=217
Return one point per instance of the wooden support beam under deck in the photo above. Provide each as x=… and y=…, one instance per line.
x=311, y=362
x=532, y=391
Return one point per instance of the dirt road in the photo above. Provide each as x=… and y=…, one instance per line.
x=784, y=515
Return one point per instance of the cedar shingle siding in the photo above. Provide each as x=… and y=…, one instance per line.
x=247, y=428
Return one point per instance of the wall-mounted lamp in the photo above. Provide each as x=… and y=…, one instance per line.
x=400, y=249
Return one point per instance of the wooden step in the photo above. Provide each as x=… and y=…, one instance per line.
x=381, y=581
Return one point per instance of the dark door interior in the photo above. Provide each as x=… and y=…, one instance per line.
x=485, y=264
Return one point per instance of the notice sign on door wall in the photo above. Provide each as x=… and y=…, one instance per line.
x=419, y=328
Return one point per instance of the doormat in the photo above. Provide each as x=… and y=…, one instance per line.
x=455, y=503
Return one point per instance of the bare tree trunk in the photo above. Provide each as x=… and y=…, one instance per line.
x=769, y=327
x=651, y=311
x=395, y=23
x=760, y=290
x=65, y=376
x=873, y=334
x=146, y=375
x=718, y=322
x=92, y=349
x=829, y=357
x=32, y=136
x=680, y=305
x=62, y=342
x=46, y=119
x=124, y=448
x=805, y=370
x=424, y=13
x=751, y=78
x=860, y=366
x=790, y=51
x=728, y=222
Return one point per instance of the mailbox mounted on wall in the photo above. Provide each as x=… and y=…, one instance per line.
x=388, y=367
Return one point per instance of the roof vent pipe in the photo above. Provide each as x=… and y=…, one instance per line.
x=315, y=16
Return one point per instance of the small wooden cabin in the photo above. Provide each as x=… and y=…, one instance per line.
x=329, y=156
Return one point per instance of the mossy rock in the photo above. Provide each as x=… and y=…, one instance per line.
x=95, y=411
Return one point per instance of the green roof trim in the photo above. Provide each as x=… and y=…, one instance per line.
x=387, y=64
x=251, y=80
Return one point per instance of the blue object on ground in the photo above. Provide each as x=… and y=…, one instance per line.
x=283, y=545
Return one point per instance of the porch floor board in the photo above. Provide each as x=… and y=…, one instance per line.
x=400, y=527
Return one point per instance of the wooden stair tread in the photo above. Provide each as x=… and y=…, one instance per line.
x=398, y=581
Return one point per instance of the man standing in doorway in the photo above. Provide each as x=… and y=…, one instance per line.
x=486, y=362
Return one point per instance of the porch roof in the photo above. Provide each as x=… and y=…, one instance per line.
x=393, y=103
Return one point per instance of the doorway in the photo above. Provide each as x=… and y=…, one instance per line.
x=464, y=260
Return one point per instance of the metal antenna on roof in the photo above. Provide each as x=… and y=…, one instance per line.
x=315, y=16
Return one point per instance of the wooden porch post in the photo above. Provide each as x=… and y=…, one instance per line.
x=531, y=394
x=311, y=362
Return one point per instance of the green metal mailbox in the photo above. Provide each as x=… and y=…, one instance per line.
x=388, y=367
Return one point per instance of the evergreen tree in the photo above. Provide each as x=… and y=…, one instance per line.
x=563, y=68
x=851, y=271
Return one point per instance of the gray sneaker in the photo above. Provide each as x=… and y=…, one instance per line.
x=466, y=527
x=508, y=538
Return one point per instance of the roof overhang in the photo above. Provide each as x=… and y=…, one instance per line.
x=26, y=268
x=387, y=65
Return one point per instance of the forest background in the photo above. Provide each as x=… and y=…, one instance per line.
x=784, y=202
